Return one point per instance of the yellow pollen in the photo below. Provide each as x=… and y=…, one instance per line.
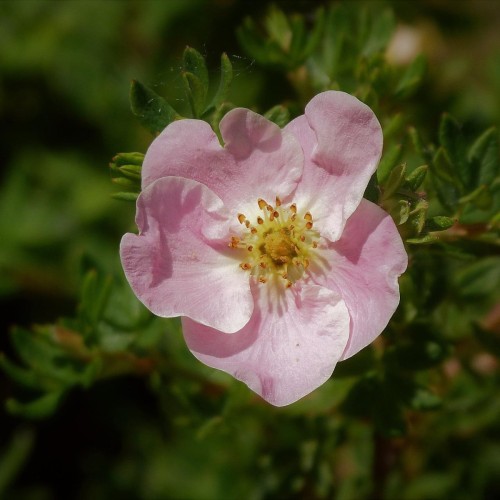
x=262, y=204
x=280, y=246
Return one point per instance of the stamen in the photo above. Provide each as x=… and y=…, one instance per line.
x=280, y=243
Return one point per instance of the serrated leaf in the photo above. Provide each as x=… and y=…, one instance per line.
x=153, y=111
x=278, y=114
x=484, y=157
x=417, y=177
x=40, y=408
x=412, y=77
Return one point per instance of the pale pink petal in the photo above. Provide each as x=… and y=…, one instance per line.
x=259, y=160
x=173, y=268
x=364, y=266
x=342, y=143
x=287, y=349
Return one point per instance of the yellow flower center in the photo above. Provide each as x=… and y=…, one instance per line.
x=280, y=244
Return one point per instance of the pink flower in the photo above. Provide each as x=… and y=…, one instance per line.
x=265, y=246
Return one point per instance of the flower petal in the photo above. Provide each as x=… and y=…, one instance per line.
x=286, y=350
x=171, y=265
x=259, y=159
x=342, y=142
x=364, y=266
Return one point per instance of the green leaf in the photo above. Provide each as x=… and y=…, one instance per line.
x=264, y=52
x=484, y=157
x=40, y=408
x=424, y=240
x=388, y=162
x=479, y=279
x=96, y=290
x=394, y=181
x=194, y=63
x=452, y=142
x=153, y=111
x=278, y=114
x=382, y=28
x=121, y=159
x=412, y=77
x=21, y=376
x=124, y=196
x=314, y=36
x=14, y=457
x=226, y=77
x=277, y=26
x=439, y=223
x=423, y=400
x=196, y=93
x=444, y=181
x=417, y=177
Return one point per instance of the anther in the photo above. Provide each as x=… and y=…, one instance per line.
x=302, y=238
x=241, y=218
x=253, y=230
x=245, y=266
x=309, y=225
x=260, y=220
x=293, y=208
x=247, y=223
x=262, y=203
x=278, y=201
x=262, y=279
x=315, y=244
x=276, y=213
x=288, y=284
x=249, y=248
x=308, y=216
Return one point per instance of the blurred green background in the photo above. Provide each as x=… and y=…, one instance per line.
x=65, y=70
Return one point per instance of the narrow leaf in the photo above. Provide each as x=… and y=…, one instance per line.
x=411, y=77
x=153, y=111
x=278, y=114
x=40, y=408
